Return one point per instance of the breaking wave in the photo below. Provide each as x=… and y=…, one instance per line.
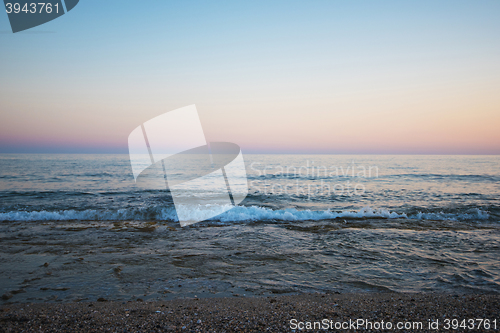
x=236, y=214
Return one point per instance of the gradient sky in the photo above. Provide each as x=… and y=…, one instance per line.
x=411, y=77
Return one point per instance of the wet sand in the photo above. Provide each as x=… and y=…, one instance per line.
x=257, y=314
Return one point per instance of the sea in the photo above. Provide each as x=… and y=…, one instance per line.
x=80, y=228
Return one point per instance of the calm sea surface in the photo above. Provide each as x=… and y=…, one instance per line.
x=77, y=227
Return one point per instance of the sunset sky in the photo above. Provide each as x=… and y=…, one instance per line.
x=375, y=77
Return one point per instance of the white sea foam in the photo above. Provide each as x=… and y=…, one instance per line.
x=477, y=214
x=90, y=214
x=256, y=213
x=237, y=214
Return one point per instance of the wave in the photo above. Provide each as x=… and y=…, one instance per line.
x=162, y=214
x=349, y=175
x=236, y=214
x=476, y=214
x=256, y=213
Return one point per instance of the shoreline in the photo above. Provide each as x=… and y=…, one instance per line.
x=257, y=314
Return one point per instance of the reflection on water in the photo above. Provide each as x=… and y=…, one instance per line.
x=151, y=260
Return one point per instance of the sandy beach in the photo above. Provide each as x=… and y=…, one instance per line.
x=334, y=312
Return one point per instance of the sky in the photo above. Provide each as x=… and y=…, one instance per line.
x=309, y=77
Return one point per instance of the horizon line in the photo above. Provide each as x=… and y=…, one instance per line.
x=263, y=153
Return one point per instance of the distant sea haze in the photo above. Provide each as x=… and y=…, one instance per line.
x=309, y=223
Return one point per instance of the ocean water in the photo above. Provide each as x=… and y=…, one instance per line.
x=77, y=227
